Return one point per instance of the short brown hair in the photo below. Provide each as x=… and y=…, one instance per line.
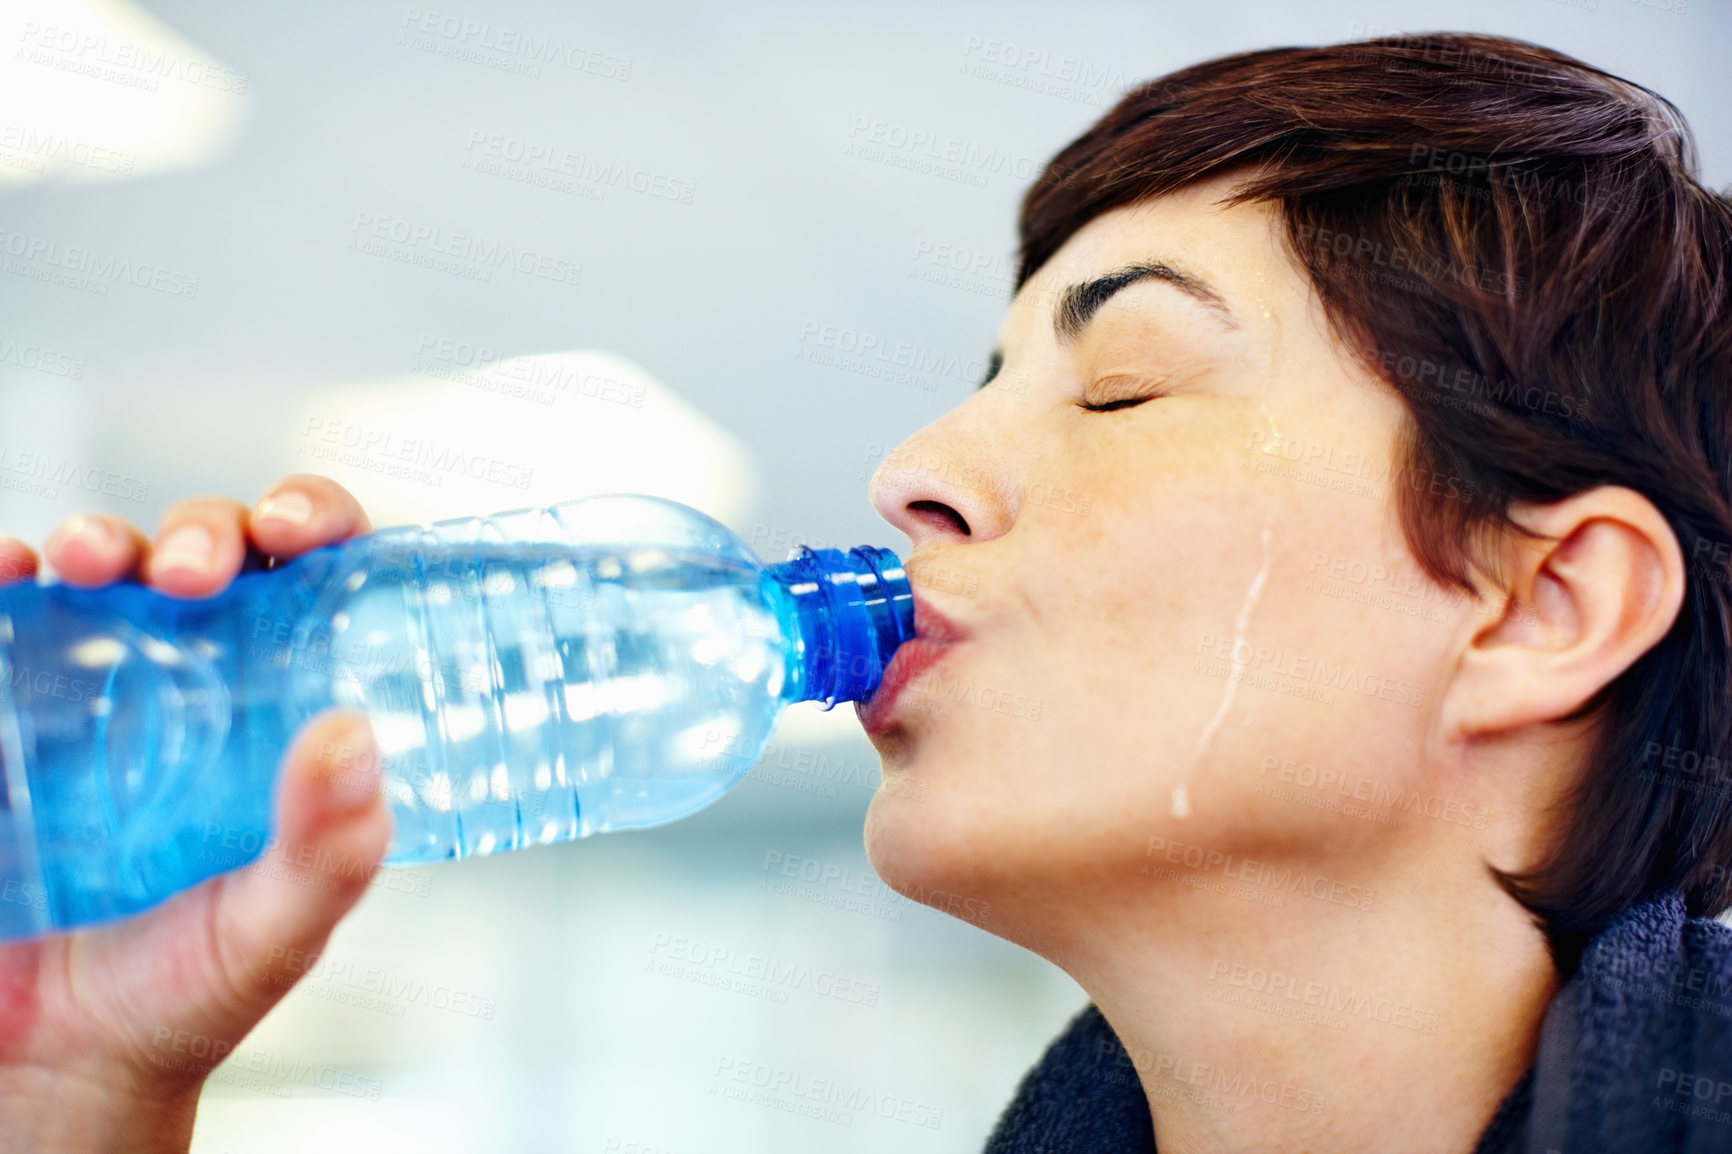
x=1517, y=243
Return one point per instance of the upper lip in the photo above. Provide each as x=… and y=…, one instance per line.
x=932, y=625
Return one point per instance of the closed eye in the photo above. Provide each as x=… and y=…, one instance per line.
x=1110, y=406
x=1124, y=391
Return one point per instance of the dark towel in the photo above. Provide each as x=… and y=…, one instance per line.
x=1635, y=1057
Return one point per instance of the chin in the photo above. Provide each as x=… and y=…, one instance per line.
x=899, y=838
x=947, y=851
x=916, y=849
x=922, y=842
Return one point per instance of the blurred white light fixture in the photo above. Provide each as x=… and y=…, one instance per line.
x=101, y=90
x=487, y=435
x=470, y=435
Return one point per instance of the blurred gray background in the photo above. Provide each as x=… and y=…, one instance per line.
x=732, y=254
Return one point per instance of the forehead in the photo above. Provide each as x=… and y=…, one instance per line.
x=1238, y=249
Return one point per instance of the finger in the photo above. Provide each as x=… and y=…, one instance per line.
x=17, y=560
x=304, y=511
x=200, y=546
x=332, y=828
x=95, y=549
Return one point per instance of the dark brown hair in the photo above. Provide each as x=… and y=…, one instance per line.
x=1517, y=243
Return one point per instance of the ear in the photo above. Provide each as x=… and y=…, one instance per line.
x=1597, y=586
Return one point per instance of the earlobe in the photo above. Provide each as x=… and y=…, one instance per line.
x=1596, y=582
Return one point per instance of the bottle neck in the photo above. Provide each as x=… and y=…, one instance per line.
x=845, y=614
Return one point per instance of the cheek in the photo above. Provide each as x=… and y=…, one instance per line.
x=1026, y=766
x=991, y=798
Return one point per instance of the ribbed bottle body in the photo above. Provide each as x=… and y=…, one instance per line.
x=529, y=683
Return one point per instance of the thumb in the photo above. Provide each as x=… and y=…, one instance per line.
x=332, y=828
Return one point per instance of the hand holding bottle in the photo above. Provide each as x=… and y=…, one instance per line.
x=107, y=1034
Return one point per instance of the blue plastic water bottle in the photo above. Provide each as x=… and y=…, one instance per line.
x=536, y=676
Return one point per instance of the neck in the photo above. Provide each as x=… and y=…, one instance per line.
x=1318, y=1024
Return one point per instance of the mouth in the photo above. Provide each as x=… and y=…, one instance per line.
x=934, y=637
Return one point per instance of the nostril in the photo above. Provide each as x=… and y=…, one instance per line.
x=938, y=514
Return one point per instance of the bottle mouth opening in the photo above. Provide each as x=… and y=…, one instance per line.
x=852, y=610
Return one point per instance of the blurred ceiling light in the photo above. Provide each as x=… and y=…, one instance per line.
x=470, y=435
x=100, y=90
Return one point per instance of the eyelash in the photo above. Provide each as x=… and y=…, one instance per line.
x=1113, y=406
x=1146, y=388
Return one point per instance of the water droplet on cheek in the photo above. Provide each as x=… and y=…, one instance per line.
x=1241, y=624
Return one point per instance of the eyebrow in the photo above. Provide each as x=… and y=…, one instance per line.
x=1079, y=303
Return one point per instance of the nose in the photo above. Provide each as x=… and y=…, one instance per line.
x=942, y=486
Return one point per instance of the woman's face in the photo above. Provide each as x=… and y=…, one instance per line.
x=1199, y=605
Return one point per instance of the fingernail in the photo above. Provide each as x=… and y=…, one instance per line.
x=188, y=547
x=91, y=532
x=292, y=506
x=352, y=762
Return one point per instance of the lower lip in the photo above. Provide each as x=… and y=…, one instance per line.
x=911, y=659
